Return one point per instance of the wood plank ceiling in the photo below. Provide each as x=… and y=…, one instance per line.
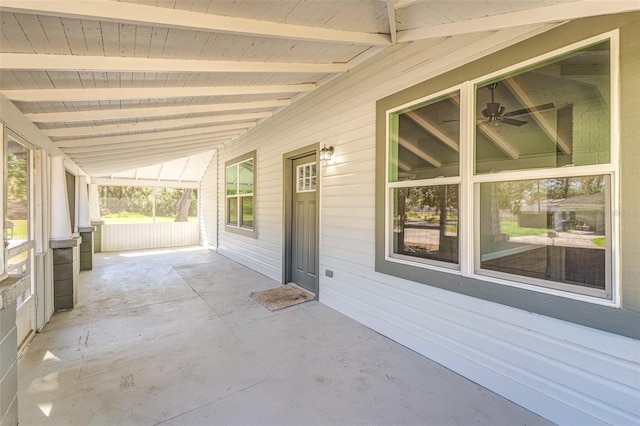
x=141, y=89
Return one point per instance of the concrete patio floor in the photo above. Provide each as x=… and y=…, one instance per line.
x=172, y=337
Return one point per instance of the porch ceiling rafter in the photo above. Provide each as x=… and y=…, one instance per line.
x=118, y=181
x=120, y=114
x=101, y=167
x=48, y=62
x=419, y=152
x=126, y=93
x=226, y=129
x=121, y=12
x=550, y=129
x=154, y=125
x=557, y=13
x=433, y=129
x=147, y=144
x=123, y=153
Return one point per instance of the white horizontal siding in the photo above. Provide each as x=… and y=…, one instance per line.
x=568, y=373
x=136, y=236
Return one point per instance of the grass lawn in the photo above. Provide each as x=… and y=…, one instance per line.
x=600, y=241
x=19, y=229
x=512, y=229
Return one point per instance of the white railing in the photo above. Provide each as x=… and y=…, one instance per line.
x=136, y=236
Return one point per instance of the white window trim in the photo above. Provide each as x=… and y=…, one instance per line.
x=453, y=268
x=302, y=167
x=468, y=198
x=238, y=196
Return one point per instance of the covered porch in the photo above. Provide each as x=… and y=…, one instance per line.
x=172, y=337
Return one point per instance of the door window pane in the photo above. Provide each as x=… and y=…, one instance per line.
x=426, y=222
x=306, y=177
x=549, y=229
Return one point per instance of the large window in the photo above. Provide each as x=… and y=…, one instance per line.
x=240, y=185
x=424, y=178
x=18, y=197
x=511, y=177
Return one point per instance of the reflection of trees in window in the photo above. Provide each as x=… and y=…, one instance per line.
x=239, y=189
x=17, y=192
x=427, y=222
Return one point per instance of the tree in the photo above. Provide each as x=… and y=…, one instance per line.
x=184, y=205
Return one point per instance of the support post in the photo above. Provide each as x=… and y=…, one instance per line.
x=84, y=226
x=94, y=214
x=64, y=244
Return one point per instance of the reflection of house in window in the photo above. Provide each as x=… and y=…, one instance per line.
x=581, y=213
x=558, y=233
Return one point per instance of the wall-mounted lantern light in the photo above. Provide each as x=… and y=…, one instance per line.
x=326, y=153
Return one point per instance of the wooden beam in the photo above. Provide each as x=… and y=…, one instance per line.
x=542, y=15
x=121, y=93
x=420, y=153
x=140, y=150
x=77, y=63
x=391, y=15
x=152, y=126
x=236, y=128
x=399, y=4
x=150, y=16
x=495, y=138
x=125, y=113
x=116, y=181
x=159, y=156
x=115, y=164
x=498, y=141
x=548, y=128
x=148, y=144
x=431, y=128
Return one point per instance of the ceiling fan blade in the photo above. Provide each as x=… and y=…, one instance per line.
x=529, y=110
x=513, y=122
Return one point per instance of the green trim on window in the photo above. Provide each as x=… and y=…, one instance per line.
x=623, y=320
x=240, y=193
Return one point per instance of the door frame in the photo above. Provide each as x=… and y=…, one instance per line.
x=287, y=179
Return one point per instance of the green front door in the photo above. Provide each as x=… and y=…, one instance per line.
x=304, y=244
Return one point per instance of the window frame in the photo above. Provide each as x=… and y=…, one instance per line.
x=239, y=229
x=469, y=184
x=305, y=178
x=28, y=245
x=390, y=186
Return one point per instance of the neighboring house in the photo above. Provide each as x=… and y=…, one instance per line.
x=463, y=127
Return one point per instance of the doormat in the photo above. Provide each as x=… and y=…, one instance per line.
x=281, y=297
